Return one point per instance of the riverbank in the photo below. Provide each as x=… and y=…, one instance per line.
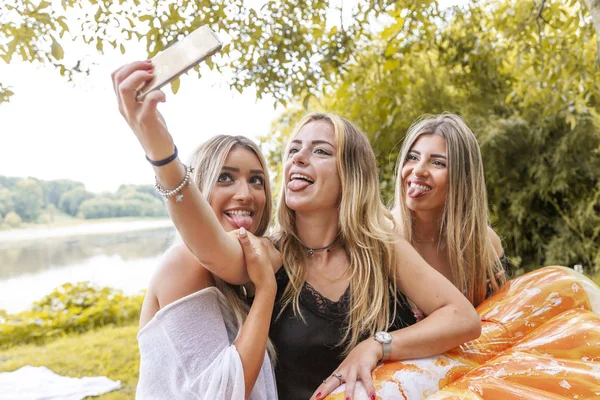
x=81, y=228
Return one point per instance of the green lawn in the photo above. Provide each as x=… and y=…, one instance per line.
x=110, y=352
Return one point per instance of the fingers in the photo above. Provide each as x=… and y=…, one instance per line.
x=120, y=74
x=364, y=373
x=127, y=89
x=350, y=383
x=149, y=109
x=328, y=386
x=245, y=239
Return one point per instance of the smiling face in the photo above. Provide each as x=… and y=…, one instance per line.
x=238, y=197
x=312, y=181
x=425, y=174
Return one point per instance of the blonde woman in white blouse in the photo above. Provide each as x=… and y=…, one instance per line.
x=198, y=338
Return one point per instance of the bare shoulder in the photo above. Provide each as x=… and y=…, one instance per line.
x=496, y=241
x=178, y=274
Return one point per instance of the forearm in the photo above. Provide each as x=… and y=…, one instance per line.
x=200, y=229
x=445, y=329
x=251, y=344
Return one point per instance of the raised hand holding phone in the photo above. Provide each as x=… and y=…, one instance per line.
x=177, y=59
x=137, y=86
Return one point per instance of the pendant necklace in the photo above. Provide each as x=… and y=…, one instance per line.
x=311, y=251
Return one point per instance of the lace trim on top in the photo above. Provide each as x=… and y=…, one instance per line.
x=323, y=306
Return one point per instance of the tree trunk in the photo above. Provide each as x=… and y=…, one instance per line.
x=594, y=9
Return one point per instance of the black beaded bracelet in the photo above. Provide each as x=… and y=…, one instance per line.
x=164, y=161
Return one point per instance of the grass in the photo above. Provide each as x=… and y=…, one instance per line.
x=111, y=352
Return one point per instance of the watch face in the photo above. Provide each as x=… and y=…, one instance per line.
x=383, y=337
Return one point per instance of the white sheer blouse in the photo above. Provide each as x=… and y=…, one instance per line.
x=187, y=352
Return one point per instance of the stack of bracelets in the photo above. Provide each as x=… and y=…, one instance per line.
x=166, y=193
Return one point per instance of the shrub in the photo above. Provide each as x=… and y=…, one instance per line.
x=13, y=220
x=71, y=308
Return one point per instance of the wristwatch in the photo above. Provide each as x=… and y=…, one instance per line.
x=386, y=342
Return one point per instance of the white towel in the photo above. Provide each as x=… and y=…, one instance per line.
x=33, y=383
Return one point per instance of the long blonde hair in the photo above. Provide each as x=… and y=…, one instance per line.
x=366, y=234
x=207, y=161
x=465, y=220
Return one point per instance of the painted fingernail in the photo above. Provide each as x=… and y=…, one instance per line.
x=243, y=233
x=319, y=395
x=372, y=396
x=348, y=398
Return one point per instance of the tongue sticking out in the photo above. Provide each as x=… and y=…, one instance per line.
x=298, y=184
x=244, y=221
x=414, y=192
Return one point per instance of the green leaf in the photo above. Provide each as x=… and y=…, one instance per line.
x=571, y=120
x=391, y=64
x=175, y=85
x=57, y=50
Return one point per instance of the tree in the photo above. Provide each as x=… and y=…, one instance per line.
x=6, y=201
x=53, y=190
x=99, y=208
x=71, y=201
x=28, y=199
x=523, y=76
x=281, y=49
x=594, y=9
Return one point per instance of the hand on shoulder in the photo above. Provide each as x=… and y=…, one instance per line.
x=257, y=258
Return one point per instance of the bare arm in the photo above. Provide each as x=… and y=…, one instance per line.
x=451, y=319
x=252, y=340
x=193, y=218
x=496, y=242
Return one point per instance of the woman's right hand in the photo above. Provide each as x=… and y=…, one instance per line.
x=142, y=116
x=258, y=263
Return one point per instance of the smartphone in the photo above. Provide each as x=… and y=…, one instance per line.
x=178, y=58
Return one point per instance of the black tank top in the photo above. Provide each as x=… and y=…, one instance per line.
x=308, y=351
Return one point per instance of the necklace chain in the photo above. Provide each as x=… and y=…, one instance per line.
x=311, y=251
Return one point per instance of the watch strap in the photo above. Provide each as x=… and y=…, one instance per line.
x=387, y=351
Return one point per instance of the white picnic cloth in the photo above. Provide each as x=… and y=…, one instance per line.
x=40, y=383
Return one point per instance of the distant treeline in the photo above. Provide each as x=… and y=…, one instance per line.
x=38, y=201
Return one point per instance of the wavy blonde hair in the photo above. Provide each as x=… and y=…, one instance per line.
x=208, y=160
x=366, y=232
x=465, y=220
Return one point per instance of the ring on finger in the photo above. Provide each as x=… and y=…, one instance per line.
x=339, y=376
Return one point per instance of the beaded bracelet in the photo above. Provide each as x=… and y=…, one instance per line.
x=166, y=193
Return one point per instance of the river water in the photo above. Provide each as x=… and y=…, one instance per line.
x=121, y=255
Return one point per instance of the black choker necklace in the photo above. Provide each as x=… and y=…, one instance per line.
x=311, y=251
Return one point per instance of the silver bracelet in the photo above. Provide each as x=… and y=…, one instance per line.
x=166, y=193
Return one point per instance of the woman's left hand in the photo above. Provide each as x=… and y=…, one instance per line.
x=357, y=366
